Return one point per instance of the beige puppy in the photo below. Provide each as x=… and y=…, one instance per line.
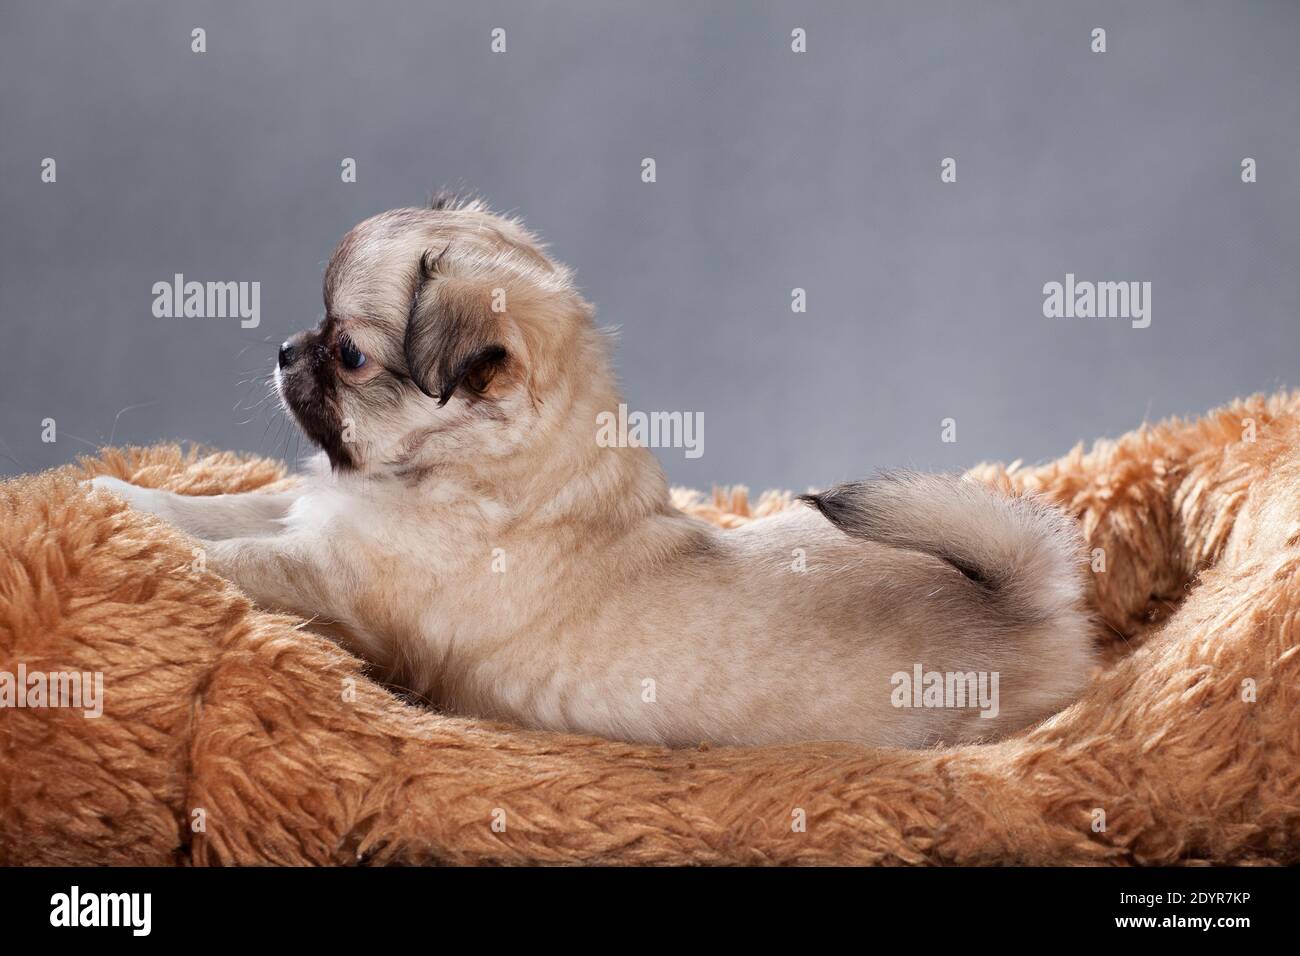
x=474, y=540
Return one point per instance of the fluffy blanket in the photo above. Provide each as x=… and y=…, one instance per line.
x=230, y=735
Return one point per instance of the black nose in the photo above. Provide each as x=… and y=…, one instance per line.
x=288, y=352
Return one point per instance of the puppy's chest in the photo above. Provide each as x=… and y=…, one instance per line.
x=466, y=626
x=404, y=578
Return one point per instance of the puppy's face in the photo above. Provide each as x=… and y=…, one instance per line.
x=444, y=330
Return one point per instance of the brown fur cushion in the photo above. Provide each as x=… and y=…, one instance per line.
x=293, y=756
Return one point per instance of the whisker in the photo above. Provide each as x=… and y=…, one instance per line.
x=129, y=408
x=85, y=441
x=8, y=455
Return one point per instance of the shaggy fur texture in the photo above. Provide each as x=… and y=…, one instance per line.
x=295, y=757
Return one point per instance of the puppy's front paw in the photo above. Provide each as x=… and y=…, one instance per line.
x=106, y=483
x=141, y=499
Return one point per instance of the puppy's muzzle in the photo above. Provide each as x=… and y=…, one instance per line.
x=303, y=348
x=288, y=354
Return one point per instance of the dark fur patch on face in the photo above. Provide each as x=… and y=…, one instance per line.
x=310, y=389
x=452, y=344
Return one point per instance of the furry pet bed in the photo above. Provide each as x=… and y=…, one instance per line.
x=234, y=736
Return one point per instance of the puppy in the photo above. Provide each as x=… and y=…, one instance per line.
x=467, y=534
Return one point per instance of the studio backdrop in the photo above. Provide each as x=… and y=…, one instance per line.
x=834, y=237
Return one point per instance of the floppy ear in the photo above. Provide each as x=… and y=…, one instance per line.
x=453, y=340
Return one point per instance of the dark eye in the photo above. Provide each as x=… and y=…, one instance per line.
x=350, y=355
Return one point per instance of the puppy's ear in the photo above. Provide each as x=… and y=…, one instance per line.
x=453, y=340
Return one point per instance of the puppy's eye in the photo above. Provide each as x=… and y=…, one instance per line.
x=349, y=355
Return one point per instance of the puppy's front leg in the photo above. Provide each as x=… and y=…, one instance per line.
x=241, y=537
x=212, y=517
x=281, y=573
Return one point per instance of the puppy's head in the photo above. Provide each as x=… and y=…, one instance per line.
x=445, y=330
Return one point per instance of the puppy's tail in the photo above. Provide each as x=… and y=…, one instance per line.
x=1023, y=554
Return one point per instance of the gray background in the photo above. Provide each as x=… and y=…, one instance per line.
x=775, y=170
